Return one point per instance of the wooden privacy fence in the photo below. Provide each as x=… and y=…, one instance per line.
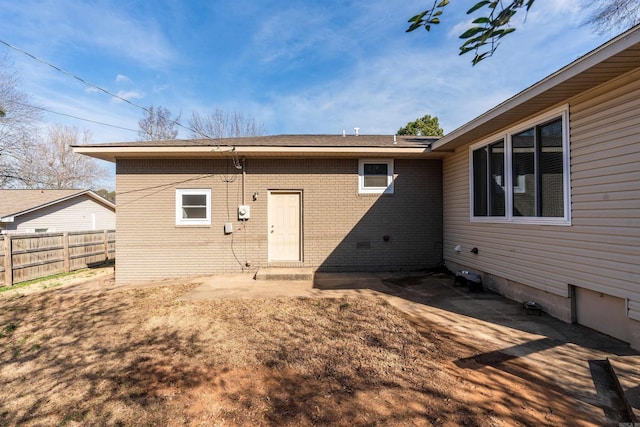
x=32, y=256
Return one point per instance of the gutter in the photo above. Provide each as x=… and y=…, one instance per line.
x=112, y=153
x=598, y=55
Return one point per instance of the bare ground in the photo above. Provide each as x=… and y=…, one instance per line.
x=125, y=357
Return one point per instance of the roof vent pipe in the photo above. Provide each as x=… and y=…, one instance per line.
x=395, y=138
x=344, y=133
x=356, y=131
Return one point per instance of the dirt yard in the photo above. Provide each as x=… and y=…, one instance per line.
x=125, y=357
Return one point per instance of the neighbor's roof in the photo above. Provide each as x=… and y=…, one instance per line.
x=609, y=61
x=19, y=202
x=268, y=146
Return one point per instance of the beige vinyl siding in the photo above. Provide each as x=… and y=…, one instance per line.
x=634, y=309
x=76, y=214
x=601, y=249
x=341, y=230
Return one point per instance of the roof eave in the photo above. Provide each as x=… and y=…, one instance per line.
x=464, y=135
x=111, y=154
x=101, y=199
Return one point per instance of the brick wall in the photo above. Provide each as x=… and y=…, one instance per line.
x=341, y=230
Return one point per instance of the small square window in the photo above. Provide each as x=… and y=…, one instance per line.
x=375, y=176
x=193, y=207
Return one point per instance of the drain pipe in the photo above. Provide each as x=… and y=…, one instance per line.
x=247, y=263
x=243, y=176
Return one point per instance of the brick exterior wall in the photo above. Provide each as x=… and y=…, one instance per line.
x=341, y=229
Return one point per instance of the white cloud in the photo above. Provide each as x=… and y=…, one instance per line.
x=384, y=92
x=548, y=9
x=94, y=111
x=385, y=77
x=120, y=78
x=542, y=15
x=160, y=88
x=129, y=95
x=95, y=26
x=380, y=96
x=285, y=34
x=460, y=28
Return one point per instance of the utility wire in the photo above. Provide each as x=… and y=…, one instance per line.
x=196, y=131
x=234, y=155
x=73, y=117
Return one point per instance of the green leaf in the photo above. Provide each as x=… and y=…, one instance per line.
x=478, y=6
x=477, y=43
x=473, y=43
x=478, y=58
x=471, y=32
x=465, y=50
x=414, y=26
x=504, y=17
x=485, y=31
x=418, y=17
x=501, y=33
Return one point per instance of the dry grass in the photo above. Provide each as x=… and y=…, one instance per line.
x=143, y=357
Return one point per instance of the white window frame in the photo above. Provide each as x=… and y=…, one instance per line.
x=193, y=221
x=388, y=189
x=562, y=112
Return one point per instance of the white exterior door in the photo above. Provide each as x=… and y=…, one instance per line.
x=284, y=226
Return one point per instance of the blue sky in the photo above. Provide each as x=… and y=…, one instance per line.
x=299, y=67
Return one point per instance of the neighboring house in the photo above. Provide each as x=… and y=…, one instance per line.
x=332, y=202
x=33, y=211
x=541, y=195
x=546, y=186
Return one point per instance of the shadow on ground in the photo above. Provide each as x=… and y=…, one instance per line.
x=146, y=357
x=437, y=290
x=81, y=358
x=535, y=348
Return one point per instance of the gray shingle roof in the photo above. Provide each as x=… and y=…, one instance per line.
x=288, y=141
x=13, y=202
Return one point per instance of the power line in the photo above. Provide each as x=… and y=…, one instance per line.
x=80, y=79
x=234, y=155
x=73, y=117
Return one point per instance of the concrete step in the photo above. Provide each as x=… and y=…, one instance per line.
x=284, y=273
x=627, y=372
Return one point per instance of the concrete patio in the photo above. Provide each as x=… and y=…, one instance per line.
x=575, y=358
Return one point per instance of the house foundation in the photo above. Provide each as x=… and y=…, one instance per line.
x=555, y=305
x=569, y=309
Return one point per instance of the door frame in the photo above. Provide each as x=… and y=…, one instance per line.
x=300, y=259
